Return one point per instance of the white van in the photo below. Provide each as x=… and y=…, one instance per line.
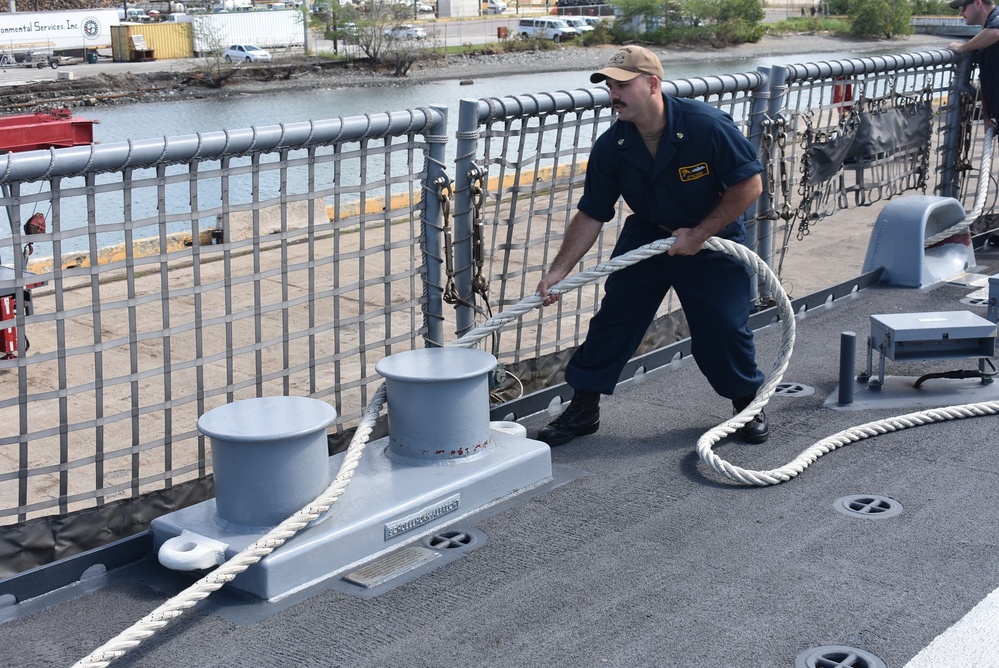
x=579, y=24
x=133, y=15
x=546, y=28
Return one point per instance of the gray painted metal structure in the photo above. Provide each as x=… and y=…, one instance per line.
x=370, y=284
x=643, y=558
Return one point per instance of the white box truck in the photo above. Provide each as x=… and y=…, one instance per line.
x=266, y=29
x=85, y=29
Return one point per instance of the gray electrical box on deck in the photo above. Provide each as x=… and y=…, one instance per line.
x=937, y=335
x=933, y=336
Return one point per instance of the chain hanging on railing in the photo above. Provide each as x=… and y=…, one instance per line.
x=966, y=107
x=878, y=148
x=444, y=192
x=806, y=188
x=766, y=150
x=823, y=151
x=775, y=138
x=480, y=285
x=924, y=173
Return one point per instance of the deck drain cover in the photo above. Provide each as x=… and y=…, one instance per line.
x=793, y=390
x=835, y=656
x=867, y=505
x=390, y=566
x=449, y=540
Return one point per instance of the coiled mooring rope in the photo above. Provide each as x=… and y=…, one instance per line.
x=179, y=604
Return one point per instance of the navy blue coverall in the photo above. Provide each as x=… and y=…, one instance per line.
x=700, y=154
x=988, y=68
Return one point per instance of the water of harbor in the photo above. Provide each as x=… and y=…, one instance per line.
x=169, y=118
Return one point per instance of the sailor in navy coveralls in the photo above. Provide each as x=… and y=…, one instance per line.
x=986, y=52
x=685, y=170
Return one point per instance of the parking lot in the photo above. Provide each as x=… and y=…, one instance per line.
x=439, y=33
x=16, y=75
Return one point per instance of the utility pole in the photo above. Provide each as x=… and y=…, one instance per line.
x=305, y=26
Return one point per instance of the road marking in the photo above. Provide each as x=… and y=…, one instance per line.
x=970, y=643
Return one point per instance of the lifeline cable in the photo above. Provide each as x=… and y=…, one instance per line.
x=147, y=626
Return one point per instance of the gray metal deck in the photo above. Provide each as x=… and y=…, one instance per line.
x=643, y=557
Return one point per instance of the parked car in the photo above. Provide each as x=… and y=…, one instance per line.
x=133, y=15
x=580, y=24
x=546, y=28
x=246, y=53
x=405, y=31
x=424, y=8
x=494, y=6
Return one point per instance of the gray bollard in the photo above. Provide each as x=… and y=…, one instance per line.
x=444, y=459
x=847, y=361
x=438, y=403
x=270, y=457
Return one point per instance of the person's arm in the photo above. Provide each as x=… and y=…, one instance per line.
x=734, y=202
x=579, y=237
x=984, y=39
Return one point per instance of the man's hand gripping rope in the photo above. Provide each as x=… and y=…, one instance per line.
x=785, y=315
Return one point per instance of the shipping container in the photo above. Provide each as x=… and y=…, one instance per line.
x=206, y=33
x=152, y=41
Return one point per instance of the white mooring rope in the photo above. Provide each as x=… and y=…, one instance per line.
x=179, y=604
x=146, y=627
x=984, y=174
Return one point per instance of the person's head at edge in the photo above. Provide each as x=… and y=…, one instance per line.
x=634, y=76
x=974, y=12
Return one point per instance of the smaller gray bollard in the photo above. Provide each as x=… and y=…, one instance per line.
x=269, y=456
x=438, y=403
x=847, y=361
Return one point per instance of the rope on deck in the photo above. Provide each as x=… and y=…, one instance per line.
x=149, y=625
x=984, y=174
x=179, y=604
x=146, y=627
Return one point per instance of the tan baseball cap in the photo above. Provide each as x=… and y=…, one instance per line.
x=628, y=63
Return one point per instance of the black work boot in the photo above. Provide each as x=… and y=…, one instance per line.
x=580, y=418
x=757, y=430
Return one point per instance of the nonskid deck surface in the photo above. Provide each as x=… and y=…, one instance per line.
x=651, y=559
